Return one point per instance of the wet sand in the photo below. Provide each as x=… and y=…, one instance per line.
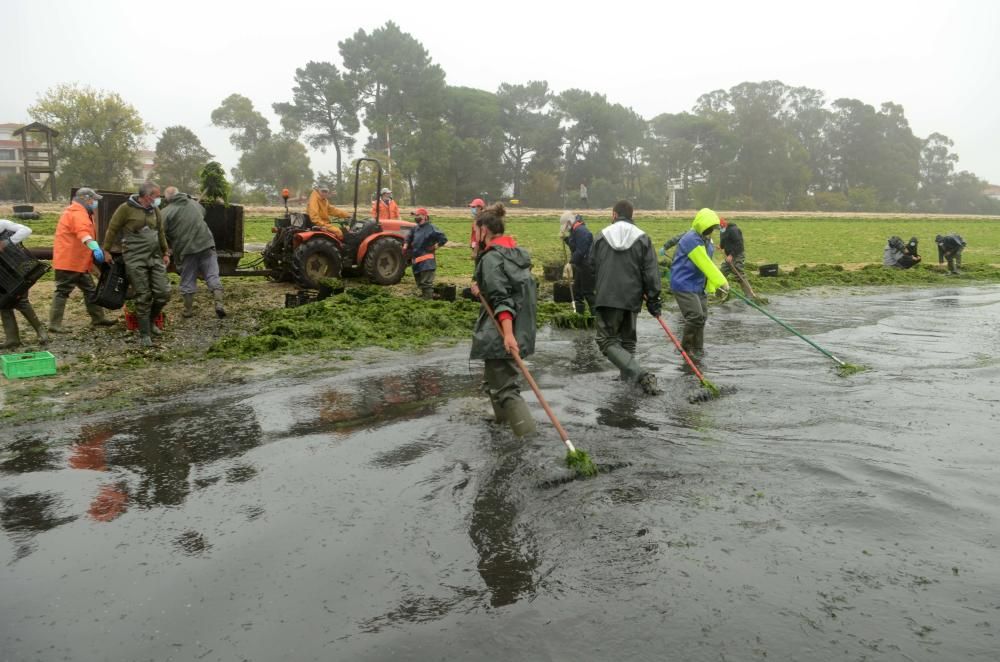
x=376, y=515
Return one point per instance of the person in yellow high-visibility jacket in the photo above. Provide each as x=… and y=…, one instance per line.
x=320, y=210
x=692, y=275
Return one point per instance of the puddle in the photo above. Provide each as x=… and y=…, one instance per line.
x=380, y=515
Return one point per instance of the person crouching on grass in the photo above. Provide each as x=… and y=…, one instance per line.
x=692, y=274
x=419, y=247
x=503, y=277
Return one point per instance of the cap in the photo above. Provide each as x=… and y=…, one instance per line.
x=478, y=202
x=385, y=190
x=421, y=212
x=724, y=223
x=87, y=192
x=323, y=189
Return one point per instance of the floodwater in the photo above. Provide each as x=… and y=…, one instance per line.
x=375, y=515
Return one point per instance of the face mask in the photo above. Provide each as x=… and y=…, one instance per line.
x=156, y=203
x=472, y=212
x=92, y=205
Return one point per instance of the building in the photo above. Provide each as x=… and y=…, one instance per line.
x=992, y=191
x=12, y=160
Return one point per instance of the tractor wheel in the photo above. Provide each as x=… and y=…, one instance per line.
x=384, y=264
x=314, y=260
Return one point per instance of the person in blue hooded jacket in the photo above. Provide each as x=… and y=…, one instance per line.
x=692, y=274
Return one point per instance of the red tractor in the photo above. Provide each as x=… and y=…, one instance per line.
x=306, y=254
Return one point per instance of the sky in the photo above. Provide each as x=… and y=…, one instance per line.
x=177, y=61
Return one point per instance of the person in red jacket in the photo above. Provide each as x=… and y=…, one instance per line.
x=74, y=251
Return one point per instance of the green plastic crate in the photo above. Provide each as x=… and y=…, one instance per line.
x=30, y=364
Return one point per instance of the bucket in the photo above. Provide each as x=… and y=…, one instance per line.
x=768, y=270
x=132, y=322
x=562, y=292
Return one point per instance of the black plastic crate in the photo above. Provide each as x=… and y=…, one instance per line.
x=18, y=272
x=112, y=286
x=768, y=270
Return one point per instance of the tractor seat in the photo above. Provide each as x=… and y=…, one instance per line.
x=359, y=230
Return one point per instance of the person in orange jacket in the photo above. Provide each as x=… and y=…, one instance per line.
x=389, y=210
x=74, y=251
x=320, y=210
x=475, y=207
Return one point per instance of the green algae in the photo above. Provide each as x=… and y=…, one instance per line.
x=580, y=462
x=848, y=369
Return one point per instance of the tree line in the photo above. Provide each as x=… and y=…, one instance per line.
x=757, y=145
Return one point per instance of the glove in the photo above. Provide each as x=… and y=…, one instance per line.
x=98, y=253
x=722, y=292
x=655, y=307
x=663, y=252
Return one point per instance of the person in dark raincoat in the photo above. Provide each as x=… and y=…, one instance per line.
x=623, y=261
x=420, y=245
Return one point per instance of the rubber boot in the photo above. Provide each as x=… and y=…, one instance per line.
x=518, y=415
x=144, y=338
x=188, y=305
x=220, y=311
x=97, y=317
x=154, y=312
x=56, y=314
x=12, y=335
x=498, y=414
x=625, y=362
x=36, y=324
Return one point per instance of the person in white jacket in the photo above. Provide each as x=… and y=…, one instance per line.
x=11, y=235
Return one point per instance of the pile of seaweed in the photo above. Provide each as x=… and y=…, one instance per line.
x=370, y=316
x=359, y=317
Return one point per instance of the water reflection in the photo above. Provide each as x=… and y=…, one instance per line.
x=26, y=515
x=347, y=407
x=506, y=562
x=144, y=462
x=620, y=411
x=586, y=356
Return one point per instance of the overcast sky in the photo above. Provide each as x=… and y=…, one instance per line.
x=176, y=61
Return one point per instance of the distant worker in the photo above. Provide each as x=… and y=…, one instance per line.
x=731, y=242
x=503, y=277
x=136, y=230
x=74, y=252
x=11, y=236
x=580, y=240
x=950, y=247
x=898, y=255
x=475, y=207
x=193, y=245
x=385, y=206
x=623, y=262
x=692, y=274
x=584, y=201
x=420, y=245
x=320, y=210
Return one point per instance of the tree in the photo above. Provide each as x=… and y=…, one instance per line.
x=528, y=131
x=250, y=127
x=937, y=163
x=179, y=157
x=401, y=92
x=279, y=162
x=269, y=162
x=99, y=139
x=325, y=105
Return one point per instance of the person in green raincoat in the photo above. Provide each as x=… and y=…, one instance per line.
x=503, y=277
x=137, y=231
